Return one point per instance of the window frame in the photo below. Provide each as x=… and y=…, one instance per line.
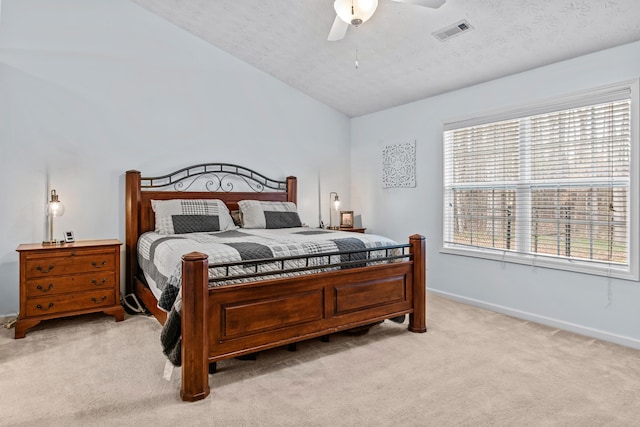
x=629, y=89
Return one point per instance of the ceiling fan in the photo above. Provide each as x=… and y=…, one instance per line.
x=356, y=12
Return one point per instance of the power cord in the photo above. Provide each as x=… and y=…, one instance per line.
x=136, y=308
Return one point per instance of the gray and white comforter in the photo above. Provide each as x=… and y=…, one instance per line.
x=160, y=258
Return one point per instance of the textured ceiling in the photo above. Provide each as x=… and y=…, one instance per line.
x=399, y=59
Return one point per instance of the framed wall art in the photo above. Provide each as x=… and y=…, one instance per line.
x=399, y=165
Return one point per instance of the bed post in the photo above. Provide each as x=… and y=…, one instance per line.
x=195, y=318
x=418, y=319
x=132, y=224
x=292, y=189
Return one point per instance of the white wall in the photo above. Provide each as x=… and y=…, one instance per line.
x=92, y=88
x=591, y=305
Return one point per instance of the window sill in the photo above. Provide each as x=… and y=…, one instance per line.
x=585, y=267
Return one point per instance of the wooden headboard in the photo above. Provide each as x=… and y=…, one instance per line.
x=219, y=181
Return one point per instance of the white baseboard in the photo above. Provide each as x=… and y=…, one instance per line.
x=8, y=316
x=556, y=323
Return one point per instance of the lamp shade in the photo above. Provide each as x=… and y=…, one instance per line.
x=355, y=12
x=54, y=207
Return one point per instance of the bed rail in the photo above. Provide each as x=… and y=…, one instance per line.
x=354, y=258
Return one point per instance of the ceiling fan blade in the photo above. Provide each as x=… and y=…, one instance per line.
x=434, y=4
x=338, y=30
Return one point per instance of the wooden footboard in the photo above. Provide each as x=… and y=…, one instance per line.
x=233, y=320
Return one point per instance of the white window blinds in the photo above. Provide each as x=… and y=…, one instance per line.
x=555, y=184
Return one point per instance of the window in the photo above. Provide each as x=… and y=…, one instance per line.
x=552, y=185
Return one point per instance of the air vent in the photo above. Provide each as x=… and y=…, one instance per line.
x=453, y=30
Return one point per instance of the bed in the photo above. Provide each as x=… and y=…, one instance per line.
x=239, y=315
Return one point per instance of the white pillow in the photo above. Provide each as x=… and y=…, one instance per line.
x=260, y=214
x=180, y=216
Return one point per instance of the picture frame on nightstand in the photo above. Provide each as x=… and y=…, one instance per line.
x=346, y=219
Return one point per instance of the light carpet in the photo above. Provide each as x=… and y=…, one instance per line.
x=472, y=368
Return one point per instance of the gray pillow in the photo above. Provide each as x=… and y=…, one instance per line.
x=180, y=216
x=260, y=214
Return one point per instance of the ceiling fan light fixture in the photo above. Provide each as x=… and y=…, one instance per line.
x=355, y=12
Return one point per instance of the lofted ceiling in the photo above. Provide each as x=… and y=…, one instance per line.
x=399, y=58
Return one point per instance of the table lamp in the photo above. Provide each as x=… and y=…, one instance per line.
x=54, y=209
x=334, y=201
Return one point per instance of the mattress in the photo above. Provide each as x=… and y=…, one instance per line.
x=160, y=256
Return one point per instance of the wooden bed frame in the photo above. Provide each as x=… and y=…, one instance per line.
x=235, y=320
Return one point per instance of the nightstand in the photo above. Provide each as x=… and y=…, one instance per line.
x=67, y=280
x=353, y=230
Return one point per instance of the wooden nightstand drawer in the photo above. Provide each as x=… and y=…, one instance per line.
x=62, y=284
x=70, y=302
x=67, y=280
x=71, y=263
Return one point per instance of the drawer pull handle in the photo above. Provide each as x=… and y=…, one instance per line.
x=102, y=282
x=96, y=265
x=99, y=301
x=40, y=288
x=40, y=307
x=43, y=270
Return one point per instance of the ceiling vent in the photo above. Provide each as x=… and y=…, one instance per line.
x=453, y=30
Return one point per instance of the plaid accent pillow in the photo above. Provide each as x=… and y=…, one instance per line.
x=259, y=214
x=180, y=216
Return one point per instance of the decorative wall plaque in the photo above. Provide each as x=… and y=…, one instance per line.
x=399, y=165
